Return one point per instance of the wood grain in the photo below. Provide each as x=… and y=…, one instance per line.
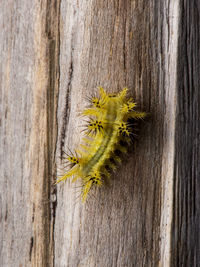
x=53, y=55
x=186, y=210
x=116, y=44
x=29, y=87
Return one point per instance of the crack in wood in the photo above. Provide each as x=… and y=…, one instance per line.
x=66, y=112
x=31, y=248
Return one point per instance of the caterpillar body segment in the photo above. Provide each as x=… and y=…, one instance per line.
x=107, y=133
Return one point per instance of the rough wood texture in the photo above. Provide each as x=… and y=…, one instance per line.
x=53, y=54
x=186, y=211
x=29, y=86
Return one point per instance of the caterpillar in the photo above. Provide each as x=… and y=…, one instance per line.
x=107, y=132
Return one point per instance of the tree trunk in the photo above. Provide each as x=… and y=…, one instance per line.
x=53, y=55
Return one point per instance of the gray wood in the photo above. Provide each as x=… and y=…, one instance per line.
x=53, y=55
x=116, y=44
x=29, y=86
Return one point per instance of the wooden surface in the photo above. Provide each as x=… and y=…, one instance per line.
x=186, y=208
x=29, y=88
x=53, y=55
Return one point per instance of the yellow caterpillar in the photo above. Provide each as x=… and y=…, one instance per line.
x=107, y=132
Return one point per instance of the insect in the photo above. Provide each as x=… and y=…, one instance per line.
x=107, y=133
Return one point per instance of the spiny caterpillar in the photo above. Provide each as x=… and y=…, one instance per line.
x=107, y=132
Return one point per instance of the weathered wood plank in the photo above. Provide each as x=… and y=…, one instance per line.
x=29, y=84
x=186, y=213
x=170, y=47
x=117, y=44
